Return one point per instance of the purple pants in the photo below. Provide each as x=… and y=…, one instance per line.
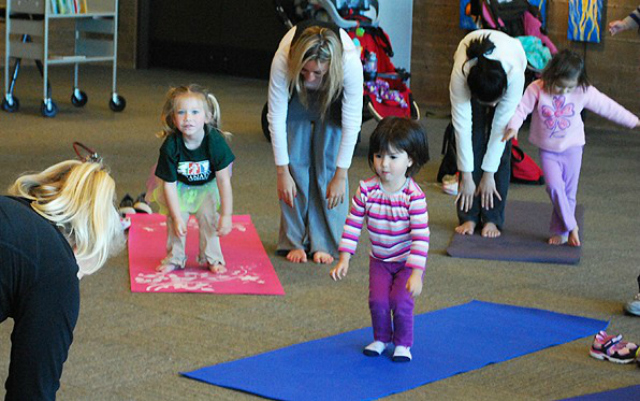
x=388, y=294
x=561, y=175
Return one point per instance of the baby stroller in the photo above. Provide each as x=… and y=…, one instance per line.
x=385, y=91
x=522, y=20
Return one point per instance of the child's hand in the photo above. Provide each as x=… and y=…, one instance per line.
x=511, y=133
x=224, y=226
x=414, y=284
x=340, y=269
x=616, y=27
x=179, y=227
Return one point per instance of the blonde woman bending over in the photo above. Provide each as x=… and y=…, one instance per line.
x=59, y=225
x=315, y=114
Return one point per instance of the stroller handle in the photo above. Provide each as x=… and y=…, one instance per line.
x=330, y=8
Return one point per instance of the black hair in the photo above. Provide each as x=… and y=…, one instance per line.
x=566, y=64
x=401, y=134
x=487, y=80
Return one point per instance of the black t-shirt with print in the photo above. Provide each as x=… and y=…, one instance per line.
x=193, y=166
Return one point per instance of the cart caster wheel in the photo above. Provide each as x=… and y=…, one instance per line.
x=49, y=109
x=117, y=103
x=10, y=107
x=79, y=98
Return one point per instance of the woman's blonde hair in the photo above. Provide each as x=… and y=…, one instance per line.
x=322, y=45
x=79, y=197
x=210, y=103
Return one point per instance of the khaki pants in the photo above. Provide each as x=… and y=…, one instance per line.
x=210, y=252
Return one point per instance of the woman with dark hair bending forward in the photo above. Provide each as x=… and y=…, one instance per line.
x=315, y=114
x=486, y=85
x=59, y=225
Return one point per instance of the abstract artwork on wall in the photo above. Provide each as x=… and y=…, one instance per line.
x=468, y=21
x=585, y=20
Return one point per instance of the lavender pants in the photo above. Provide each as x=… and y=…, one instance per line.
x=388, y=295
x=561, y=174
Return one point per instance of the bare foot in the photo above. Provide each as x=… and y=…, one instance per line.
x=297, y=256
x=574, y=240
x=466, y=228
x=217, y=268
x=490, y=230
x=557, y=240
x=322, y=258
x=167, y=267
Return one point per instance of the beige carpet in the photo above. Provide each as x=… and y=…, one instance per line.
x=131, y=346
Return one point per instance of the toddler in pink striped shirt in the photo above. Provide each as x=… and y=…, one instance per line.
x=395, y=211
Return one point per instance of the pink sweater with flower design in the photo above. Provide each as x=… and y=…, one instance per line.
x=556, y=124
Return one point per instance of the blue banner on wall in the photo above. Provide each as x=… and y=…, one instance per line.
x=585, y=20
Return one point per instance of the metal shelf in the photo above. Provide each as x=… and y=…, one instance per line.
x=28, y=31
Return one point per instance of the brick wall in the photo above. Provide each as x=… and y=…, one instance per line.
x=613, y=65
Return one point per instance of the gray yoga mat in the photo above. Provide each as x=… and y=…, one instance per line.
x=524, y=238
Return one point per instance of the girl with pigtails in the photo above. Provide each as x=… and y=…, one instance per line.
x=486, y=85
x=194, y=169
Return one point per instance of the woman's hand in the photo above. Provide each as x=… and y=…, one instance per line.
x=224, y=226
x=286, y=185
x=337, y=188
x=487, y=189
x=466, y=191
x=509, y=134
x=414, y=284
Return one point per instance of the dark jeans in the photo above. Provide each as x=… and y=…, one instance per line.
x=482, y=121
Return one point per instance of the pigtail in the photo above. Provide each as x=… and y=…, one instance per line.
x=214, y=107
x=166, y=117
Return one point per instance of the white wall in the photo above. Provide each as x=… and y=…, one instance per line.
x=396, y=18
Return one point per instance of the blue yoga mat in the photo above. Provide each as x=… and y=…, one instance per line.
x=621, y=394
x=447, y=342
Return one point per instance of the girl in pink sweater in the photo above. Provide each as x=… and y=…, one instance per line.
x=556, y=101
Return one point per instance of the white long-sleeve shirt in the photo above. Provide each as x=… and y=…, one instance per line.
x=351, y=100
x=509, y=52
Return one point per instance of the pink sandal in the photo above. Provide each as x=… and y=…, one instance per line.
x=612, y=348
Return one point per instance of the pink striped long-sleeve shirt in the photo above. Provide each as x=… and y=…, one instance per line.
x=398, y=223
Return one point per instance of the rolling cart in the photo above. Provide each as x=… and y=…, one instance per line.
x=28, y=30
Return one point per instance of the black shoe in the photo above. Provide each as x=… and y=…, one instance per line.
x=141, y=205
x=126, y=206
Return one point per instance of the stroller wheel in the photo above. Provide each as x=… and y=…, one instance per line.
x=265, y=122
x=10, y=106
x=48, y=108
x=372, y=111
x=415, y=110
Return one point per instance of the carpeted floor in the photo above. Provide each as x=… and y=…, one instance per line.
x=132, y=346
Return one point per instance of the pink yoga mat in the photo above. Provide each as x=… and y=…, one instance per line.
x=249, y=270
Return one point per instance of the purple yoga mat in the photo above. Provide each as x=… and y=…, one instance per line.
x=524, y=238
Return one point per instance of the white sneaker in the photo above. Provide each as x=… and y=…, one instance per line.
x=376, y=348
x=450, y=184
x=633, y=306
x=401, y=354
